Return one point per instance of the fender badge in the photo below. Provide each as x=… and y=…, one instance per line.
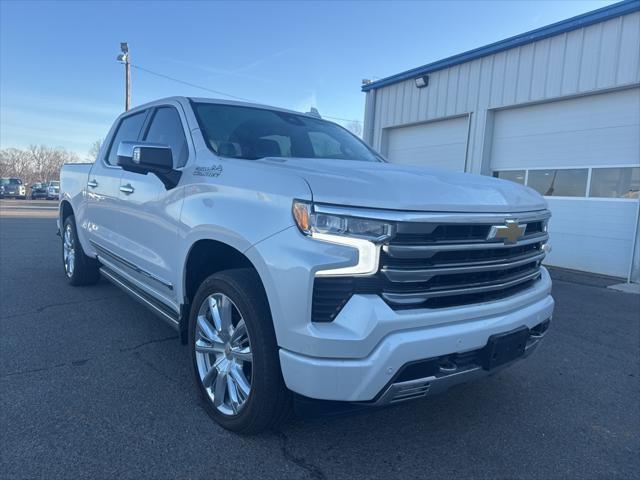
x=208, y=171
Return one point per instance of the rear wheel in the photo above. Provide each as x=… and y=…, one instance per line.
x=78, y=267
x=234, y=353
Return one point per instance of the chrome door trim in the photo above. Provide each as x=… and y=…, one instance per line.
x=132, y=266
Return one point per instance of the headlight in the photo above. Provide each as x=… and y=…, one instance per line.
x=365, y=235
x=313, y=223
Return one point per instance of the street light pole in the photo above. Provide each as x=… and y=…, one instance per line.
x=127, y=101
x=124, y=58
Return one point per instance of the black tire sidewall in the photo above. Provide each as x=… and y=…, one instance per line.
x=266, y=376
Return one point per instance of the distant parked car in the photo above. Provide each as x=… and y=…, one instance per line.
x=39, y=190
x=53, y=190
x=11, y=187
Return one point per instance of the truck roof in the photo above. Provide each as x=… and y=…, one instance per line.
x=185, y=100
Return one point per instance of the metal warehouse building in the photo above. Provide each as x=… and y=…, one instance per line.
x=557, y=109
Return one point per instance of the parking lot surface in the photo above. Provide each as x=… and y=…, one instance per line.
x=92, y=385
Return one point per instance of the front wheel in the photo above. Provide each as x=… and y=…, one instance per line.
x=234, y=353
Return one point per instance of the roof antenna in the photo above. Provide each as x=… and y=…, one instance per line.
x=313, y=111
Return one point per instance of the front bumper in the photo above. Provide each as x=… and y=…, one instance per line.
x=14, y=193
x=354, y=357
x=365, y=379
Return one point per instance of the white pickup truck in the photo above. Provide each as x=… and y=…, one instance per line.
x=296, y=263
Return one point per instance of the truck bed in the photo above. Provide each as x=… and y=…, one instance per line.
x=73, y=180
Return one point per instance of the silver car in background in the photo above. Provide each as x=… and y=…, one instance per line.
x=53, y=190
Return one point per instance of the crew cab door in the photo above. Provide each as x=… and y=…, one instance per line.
x=149, y=211
x=102, y=220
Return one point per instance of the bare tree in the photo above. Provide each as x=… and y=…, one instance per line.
x=15, y=162
x=36, y=163
x=354, y=127
x=93, y=152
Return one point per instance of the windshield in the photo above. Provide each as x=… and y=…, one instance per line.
x=11, y=181
x=252, y=133
x=54, y=184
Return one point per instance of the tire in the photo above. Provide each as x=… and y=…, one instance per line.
x=268, y=403
x=78, y=267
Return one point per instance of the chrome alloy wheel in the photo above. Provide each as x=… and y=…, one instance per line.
x=223, y=353
x=68, y=251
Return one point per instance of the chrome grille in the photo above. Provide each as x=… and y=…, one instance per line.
x=431, y=261
x=443, y=260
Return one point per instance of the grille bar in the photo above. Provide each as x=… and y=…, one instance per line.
x=422, y=275
x=425, y=251
x=420, y=297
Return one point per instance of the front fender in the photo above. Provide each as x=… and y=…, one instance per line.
x=236, y=216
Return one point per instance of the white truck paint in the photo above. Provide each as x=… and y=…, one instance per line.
x=142, y=231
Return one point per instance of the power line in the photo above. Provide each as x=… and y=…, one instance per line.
x=218, y=92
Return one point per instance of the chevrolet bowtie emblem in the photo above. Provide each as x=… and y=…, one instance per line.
x=511, y=232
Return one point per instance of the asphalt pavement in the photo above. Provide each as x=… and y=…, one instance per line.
x=92, y=385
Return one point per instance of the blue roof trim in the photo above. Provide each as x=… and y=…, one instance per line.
x=586, y=19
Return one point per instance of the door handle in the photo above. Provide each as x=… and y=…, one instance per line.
x=128, y=189
x=92, y=183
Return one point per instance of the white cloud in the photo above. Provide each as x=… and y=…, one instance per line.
x=239, y=71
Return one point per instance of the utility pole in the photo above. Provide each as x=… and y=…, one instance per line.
x=124, y=58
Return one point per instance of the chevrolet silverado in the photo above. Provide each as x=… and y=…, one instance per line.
x=297, y=263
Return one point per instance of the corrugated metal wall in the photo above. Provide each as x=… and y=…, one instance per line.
x=600, y=57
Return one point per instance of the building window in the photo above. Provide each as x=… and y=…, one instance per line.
x=512, y=175
x=621, y=182
x=570, y=182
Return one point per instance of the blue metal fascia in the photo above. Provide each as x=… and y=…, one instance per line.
x=602, y=14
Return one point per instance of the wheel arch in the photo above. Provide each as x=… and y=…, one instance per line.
x=204, y=258
x=65, y=210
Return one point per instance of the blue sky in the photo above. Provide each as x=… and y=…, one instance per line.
x=60, y=84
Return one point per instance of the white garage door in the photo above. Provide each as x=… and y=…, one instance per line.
x=565, y=147
x=439, y=144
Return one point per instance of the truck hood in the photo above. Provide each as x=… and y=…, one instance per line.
x=405, y=187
